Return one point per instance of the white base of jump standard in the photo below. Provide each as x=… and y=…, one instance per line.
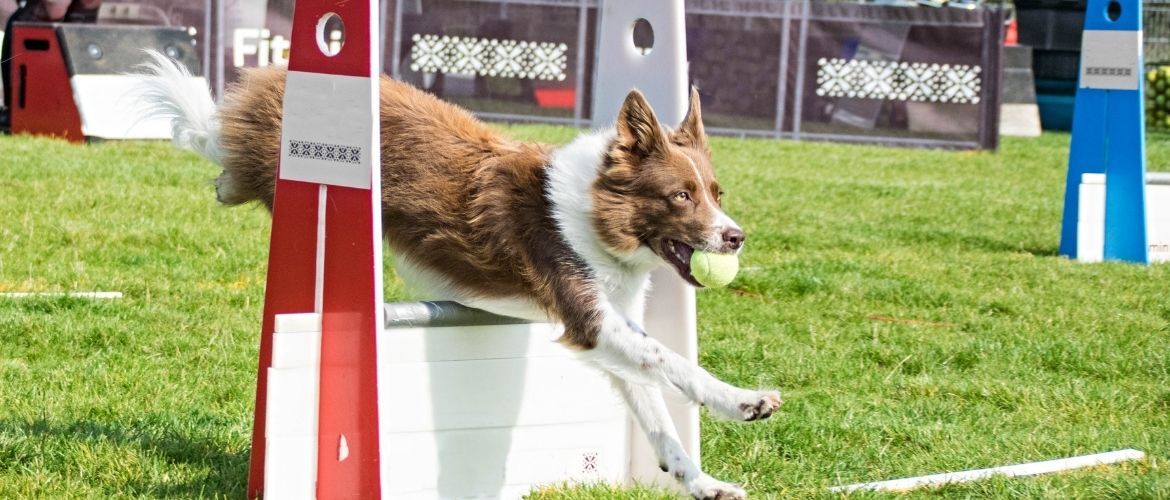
x=1091, y=220
x=471, y=405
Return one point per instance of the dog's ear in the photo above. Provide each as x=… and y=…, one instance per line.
x=691, y=133
x=638, y=129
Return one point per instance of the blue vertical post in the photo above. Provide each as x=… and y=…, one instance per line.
x=1109, y=130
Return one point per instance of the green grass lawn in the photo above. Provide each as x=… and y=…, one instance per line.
x=910, y=304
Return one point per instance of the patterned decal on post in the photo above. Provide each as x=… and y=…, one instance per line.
x=589, y=463
x=489, y=57
x=898, y=81
x=325, y=152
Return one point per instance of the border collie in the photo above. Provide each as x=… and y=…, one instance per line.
x=566, y=234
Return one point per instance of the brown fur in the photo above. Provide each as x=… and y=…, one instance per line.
x=457, y=197
x=461, y=200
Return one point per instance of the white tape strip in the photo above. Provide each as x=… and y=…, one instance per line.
x=1028, y=469
x=76, y=295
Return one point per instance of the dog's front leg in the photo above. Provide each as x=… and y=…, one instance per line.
x=624, y=349
x=643, y=365
x=649, y=409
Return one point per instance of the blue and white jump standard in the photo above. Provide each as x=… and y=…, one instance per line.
x=1109, y=132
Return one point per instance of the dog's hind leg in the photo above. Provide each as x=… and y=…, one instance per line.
x=226, y=191
x=647, y=405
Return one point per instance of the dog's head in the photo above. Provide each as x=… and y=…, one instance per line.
x=657, y=190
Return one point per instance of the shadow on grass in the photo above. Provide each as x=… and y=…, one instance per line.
x=975, y=242
x=988, y=244
x=226, y=472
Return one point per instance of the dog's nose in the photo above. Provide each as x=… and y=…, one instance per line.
x=733, y=238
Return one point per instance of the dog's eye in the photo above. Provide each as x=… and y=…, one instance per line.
x=682, y=196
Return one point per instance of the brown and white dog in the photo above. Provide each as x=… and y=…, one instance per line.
x=568, y=234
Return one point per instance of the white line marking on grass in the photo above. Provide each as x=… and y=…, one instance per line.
x=1028, y=469
x=78, y=295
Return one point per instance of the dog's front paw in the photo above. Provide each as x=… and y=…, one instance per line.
x=745, y=405
x=760, y=405
x=708, y=488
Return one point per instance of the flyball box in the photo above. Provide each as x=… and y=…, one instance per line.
x=78, y=81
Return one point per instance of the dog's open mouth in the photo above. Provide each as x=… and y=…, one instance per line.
x=678, y=254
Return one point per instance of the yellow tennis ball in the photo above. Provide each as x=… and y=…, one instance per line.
x=714, y=270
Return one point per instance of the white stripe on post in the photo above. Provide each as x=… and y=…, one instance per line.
x=1028, y=469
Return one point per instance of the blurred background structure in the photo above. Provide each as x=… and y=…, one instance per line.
x=910, y=72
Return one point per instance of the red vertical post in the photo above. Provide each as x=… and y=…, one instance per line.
x=325, y=251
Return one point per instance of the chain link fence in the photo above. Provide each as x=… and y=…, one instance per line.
x=1156, y=20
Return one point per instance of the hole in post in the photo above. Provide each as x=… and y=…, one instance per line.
x=330, y=34
x=22, y=98
x=643, y=36
x=34, y=44
x=1113, y=11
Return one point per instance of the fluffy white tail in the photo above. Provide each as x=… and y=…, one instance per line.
x=171, y=93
